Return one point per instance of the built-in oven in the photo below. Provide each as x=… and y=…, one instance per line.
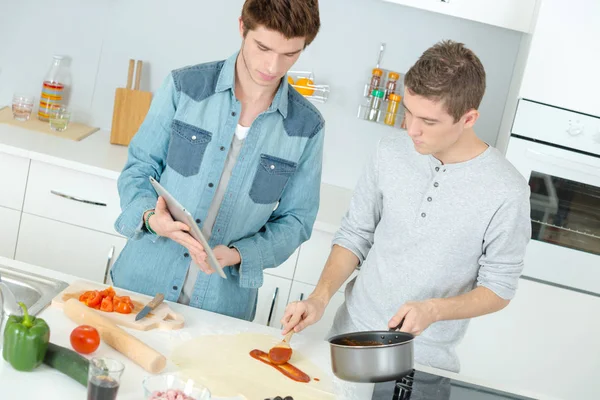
x=558, y=152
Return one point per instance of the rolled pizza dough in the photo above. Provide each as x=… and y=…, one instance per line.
x=223, y=364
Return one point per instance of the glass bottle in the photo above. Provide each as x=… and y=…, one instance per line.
x=55, y=87
x=391, y=84
x=375, y=80
x=392, y=110
x=374, y=105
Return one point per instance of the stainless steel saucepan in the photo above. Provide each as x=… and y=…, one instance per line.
x=372, y=356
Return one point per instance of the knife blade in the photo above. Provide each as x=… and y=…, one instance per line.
x=150, y=306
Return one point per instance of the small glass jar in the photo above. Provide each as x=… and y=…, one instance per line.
x=392, y=110
x=375, y=105
x=392, y=84
x=375, y=80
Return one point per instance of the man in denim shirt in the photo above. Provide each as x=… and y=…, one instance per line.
x=242, y=151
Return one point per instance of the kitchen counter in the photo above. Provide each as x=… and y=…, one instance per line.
x=49, y=384
x=95, y=155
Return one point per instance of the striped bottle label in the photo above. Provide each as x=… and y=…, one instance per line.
x=52, y=93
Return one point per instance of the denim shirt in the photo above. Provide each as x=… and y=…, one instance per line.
x=270, y=204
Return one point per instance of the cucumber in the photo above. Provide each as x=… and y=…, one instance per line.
x=68, y=362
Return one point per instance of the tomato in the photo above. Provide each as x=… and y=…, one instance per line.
x=123, y=308
x=85, y=339
x=107, y=304
x=94, y=300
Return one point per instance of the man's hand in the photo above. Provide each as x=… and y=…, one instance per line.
x=417, y=317
x=227, y=257
x=163, y=224
x=301, y=314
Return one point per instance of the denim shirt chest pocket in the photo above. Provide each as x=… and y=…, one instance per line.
x=272, y=175
x=187, y=147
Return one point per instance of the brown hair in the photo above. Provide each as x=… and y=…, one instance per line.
x=451, y=73
x=291, y=18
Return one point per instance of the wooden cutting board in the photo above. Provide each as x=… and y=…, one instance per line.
x=162, y=317
x=130, y=108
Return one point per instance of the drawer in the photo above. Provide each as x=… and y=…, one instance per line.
x=71, y=196
x=14, y=180
x=66, y=248
x=286, y=269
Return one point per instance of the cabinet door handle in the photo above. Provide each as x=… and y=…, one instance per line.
x=111, y=253
x=66, y=196
x=301, y=296
x=272, y=306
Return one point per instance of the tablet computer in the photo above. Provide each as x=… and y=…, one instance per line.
x=179, y=213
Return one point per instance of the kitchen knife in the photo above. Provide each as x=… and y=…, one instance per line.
x=150, y=306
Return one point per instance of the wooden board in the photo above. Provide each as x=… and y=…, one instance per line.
x=130, y=109
x=75, y=131
x=162, y=317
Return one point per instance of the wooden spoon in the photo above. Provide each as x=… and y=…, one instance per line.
x=282, y=352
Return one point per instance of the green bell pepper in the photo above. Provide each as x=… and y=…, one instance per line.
x=26, y=340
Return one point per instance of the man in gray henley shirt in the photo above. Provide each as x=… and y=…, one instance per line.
x=438, y=222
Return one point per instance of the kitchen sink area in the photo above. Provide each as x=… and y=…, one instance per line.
x=35, y=291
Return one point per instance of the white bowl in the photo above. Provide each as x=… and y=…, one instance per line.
x=163, y=383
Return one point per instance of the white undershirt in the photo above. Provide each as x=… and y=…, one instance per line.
x=241, y=132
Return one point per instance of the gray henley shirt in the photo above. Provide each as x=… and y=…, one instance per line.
x=423, y=230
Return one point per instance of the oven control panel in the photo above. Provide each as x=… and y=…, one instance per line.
x=557, y=126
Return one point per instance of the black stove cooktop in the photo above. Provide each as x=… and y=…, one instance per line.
x=424, y=386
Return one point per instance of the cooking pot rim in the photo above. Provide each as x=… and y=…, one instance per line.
x=409, y=339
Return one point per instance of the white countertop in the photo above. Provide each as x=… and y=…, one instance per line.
x=93, y=154
x=50, y=384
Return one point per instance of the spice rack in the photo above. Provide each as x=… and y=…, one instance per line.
x=382, y=97
x=312, y=92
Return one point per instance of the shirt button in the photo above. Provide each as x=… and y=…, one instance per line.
x=423, y=215
x=186, y=255
x=174, y=287
x=193, y=137
x=197, y=220
x=233, y=113
x=210, y=184
x=437, y=168
x=436, y=184
x=222, y=148
x=428, y=199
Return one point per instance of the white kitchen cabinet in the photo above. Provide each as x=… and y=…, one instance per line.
x=14, y=179
x=545, y=335
x=272, y=299
x=300, y=291
x=9, y=228
x=285, y=270
x=510, y=14
x=72, y=196
x=312, y=258
x=67, y=248
x=313, y=255
x=562, y=64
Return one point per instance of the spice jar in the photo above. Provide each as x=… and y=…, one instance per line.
x=375, y=80
x=374, y=105
x=392, y=110
x=391, y=84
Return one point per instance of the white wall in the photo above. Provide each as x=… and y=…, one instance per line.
x=100, y=37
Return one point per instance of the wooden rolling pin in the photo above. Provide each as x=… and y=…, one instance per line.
x=140, y=353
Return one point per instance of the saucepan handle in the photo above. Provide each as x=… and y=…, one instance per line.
x=398, y=326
